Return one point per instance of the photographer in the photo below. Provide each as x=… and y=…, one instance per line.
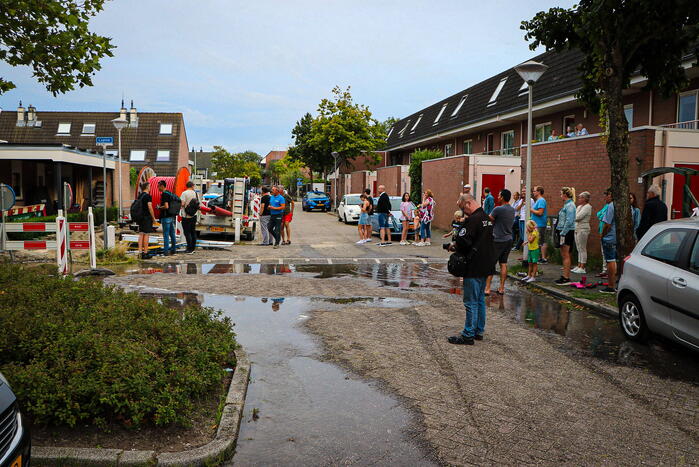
x=475, y=243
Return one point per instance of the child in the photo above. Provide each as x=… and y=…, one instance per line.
x=533, y=258
x=455, y=225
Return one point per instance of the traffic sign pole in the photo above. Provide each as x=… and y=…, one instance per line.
x=104, y=141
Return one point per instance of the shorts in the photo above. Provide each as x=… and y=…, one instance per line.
x=609, y=251
x=569, y=239
x=502, y=250
x=383, y=220
x=287, y=217
x=533, y=256
x=542, y=234
x=364, y=219
x=146, y=226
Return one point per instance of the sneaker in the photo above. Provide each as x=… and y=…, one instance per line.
x=403, y=243
x=190, y=252
x=526, y=278
x=543, y=261
x=388, y=243
x=419, y=244
x=276, y=246
x=460, y=340
x=607, y=290
x=575, y=270
x=427, y=243
x=478, y=337
x=562, y=281
x=531, y=279
x=582, y=271
x=602, y=274
x=381, y=244
x=360, y=242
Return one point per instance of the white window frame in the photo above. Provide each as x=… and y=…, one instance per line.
x=563, y=122
x=94, y=129
x=459, y=105
x=542, y=125
x=503, y=149
x=524, y=89
x=402, y=132
x=412, y=130
x=158, y=157
x=441, y=111
x=389, y=132
x=63, y=125
x=629, y=107
x=111, y=152
x=694, y=92
x=131, y=155
x=494, y=98
x=166, y=133
x=470, y=143
x=449, y=147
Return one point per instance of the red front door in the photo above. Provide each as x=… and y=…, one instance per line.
x=495, y=182
x=678, y=190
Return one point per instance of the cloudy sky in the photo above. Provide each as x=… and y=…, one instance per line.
x=243, y=72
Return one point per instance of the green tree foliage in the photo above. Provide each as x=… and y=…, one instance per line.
x=305, y=151
x=243, y=164
x=52, y=37
x=388, y=124
x=415, y=171
x=290, y=171
x=617, y=39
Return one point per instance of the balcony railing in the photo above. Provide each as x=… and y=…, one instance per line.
x=500, y=152
x=690, y=125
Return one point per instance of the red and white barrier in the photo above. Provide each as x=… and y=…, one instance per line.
x=256, y=207
x=26, y=210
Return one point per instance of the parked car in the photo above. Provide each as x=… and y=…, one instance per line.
x=659, y=288
x=394, y=222
x=15, y=441
x=315, y=200
x=348, y=210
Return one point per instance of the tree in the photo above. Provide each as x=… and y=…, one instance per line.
x=617, y=39
x=227, y=165
x=305, y=151
x=250, y=156
x=415, y=171
x=347, y=128
x=52, y=37
x=388, y=124
x=290, y=171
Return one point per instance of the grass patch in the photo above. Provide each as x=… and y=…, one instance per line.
x=595, y=296
x=116, y=255
x=79, y=352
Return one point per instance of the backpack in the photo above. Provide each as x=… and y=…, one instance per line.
x=458, y=264
x=174, y=205
x=193, y=206
x=136, y=211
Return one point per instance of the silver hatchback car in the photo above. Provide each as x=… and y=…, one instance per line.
x=659, y=289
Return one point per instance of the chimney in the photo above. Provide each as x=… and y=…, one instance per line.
x=31, y=113
x=122, y=111
x=133, y=116
x=20, y=114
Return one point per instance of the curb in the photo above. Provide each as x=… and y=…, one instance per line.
x=600, y=307
x=212, y=453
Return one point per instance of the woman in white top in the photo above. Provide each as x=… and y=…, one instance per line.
x=406, y=217
x=582, y=230
x=517, y=202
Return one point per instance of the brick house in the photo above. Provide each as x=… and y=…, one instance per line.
x=158, y=140
x=482, y=131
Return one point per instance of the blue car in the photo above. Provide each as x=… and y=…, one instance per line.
x=394, y=223
x=315, y=200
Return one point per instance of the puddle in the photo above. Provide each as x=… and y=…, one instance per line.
x=300, y=410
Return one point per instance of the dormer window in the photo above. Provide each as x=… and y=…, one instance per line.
x=439, y=115
x=166, y=128
x=459, y=105
x=412, y=130
x=401, y=132
x=89, y=128
x=63, y=128
x=163, y=155
x=523, y=90
x=138, y=155
x=496, y=93
x=389, y=132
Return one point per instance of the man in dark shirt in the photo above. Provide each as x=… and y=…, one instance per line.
x=503, y=217
x=383, y=210
x=264, y=216
x=654, y=211
x=167, y=220
x=475, y=242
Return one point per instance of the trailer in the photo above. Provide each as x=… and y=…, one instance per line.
x=231, y=213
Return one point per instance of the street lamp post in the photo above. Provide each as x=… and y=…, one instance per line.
x=335, y=155
x=119, y=124
x=530, y=72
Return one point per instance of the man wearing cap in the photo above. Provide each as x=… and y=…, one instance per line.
x=467, y=189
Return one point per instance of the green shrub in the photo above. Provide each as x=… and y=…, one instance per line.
x=76, y=351
x=415, y=171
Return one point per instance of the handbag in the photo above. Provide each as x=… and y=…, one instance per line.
x=457, y=264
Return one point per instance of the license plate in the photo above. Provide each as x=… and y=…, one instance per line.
x=216, y=229
x=320, y=204
x=17, y=462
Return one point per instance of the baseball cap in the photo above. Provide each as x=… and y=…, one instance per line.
x=467, y=186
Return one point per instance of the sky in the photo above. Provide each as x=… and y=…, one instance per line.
x=243, y=72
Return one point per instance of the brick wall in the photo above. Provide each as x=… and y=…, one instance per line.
x=445, y=177
x=391, y=178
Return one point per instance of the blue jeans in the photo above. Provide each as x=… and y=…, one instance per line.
x=425, y=230
x=474, y=302
x=168, y=224
x=383, y=220
x=522, y=233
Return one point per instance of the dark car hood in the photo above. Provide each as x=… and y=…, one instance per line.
x=7, y=397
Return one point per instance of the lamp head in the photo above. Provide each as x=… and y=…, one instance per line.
x=120, y=123
x=531, y=71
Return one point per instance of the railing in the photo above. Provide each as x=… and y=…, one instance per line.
x=689, y=125
x=499, y=152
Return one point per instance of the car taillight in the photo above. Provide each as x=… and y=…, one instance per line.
x=627, y=258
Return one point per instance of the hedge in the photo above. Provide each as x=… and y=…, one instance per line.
x=76, y=351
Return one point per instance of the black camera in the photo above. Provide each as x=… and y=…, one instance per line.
x=446, y=246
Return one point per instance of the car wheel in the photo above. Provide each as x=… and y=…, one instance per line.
x=346, y=222
x=631, y=318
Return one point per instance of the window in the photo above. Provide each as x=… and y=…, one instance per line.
x=694, y=258
x=468, y=146
x=412, y=130
x=507, y=142
x=439, y=115
x=163, y=155
x=666, y=245
x=166, y=128
x=138, y=155
x=687, y=108
x=523, y=90
x=401, y=132
x=459, y=105
x=64, y=128
x=542, y=131
x=17, y=179
x=389, y=132
x=448, y=150
x=496, y=93
x=489, y=142
x=628, y=113
x=111, y=152
x=88, y=129
x=569, y=125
